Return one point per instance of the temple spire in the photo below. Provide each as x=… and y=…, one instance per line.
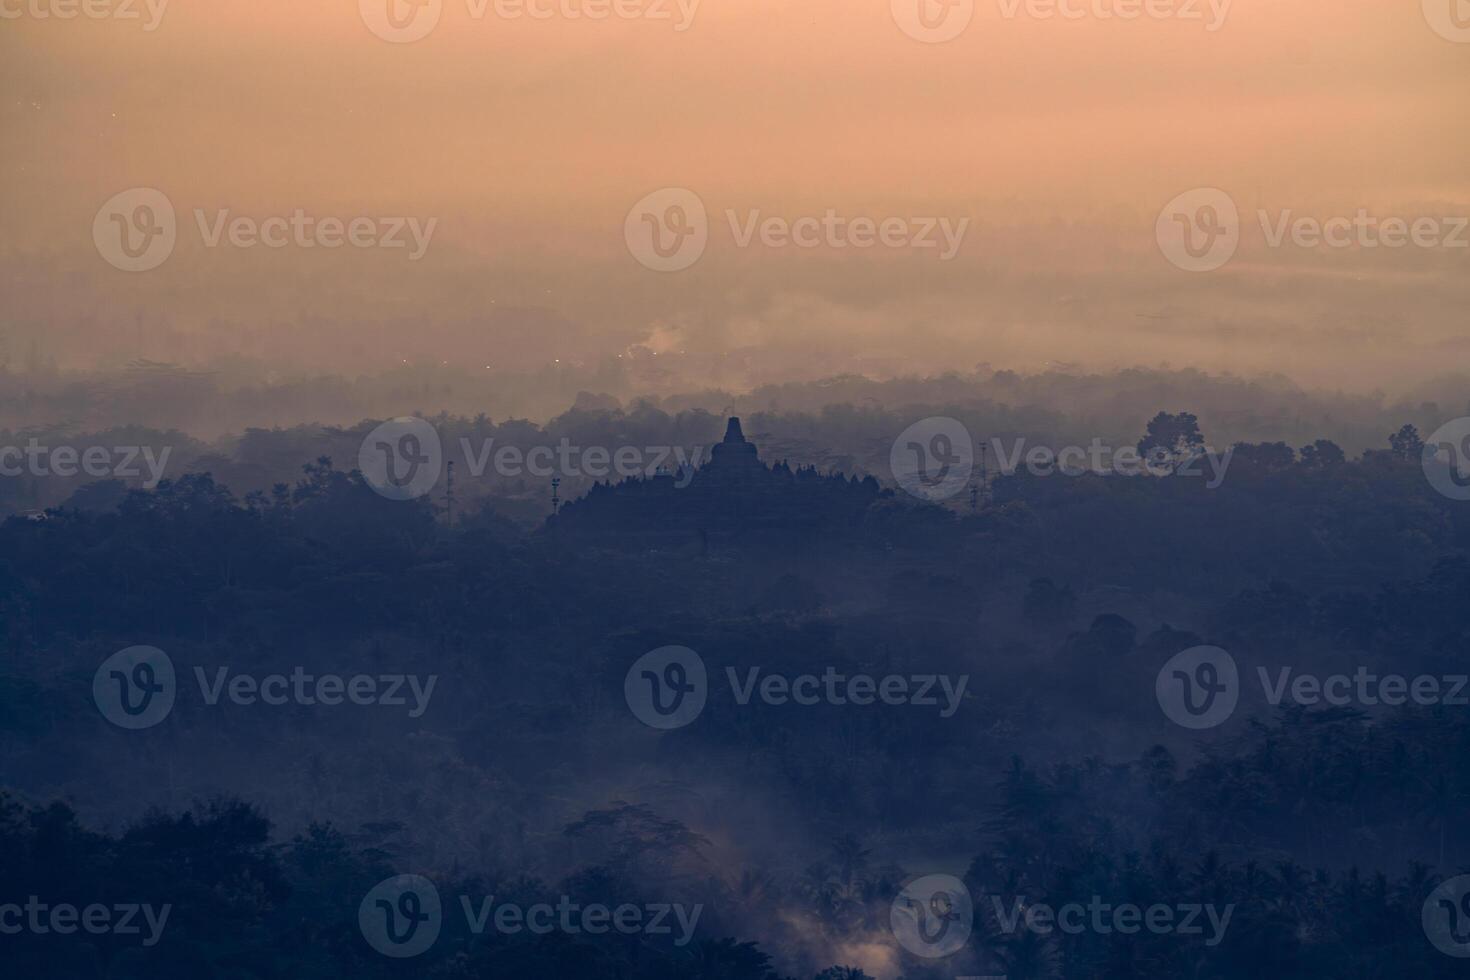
x=734, y=450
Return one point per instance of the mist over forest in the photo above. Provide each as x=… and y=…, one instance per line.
x=1041, y=605
x=251, y=432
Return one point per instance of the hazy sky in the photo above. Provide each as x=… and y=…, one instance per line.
x=1047, y=145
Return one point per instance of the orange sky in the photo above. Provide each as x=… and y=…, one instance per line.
x=529, y=140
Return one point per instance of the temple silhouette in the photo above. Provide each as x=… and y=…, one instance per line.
x=734, y=498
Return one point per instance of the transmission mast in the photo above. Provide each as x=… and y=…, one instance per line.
x=449, y=494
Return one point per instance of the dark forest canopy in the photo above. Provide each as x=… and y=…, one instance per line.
x=1055, y=779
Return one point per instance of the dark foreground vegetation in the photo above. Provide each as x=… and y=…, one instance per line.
x=1057, y=779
